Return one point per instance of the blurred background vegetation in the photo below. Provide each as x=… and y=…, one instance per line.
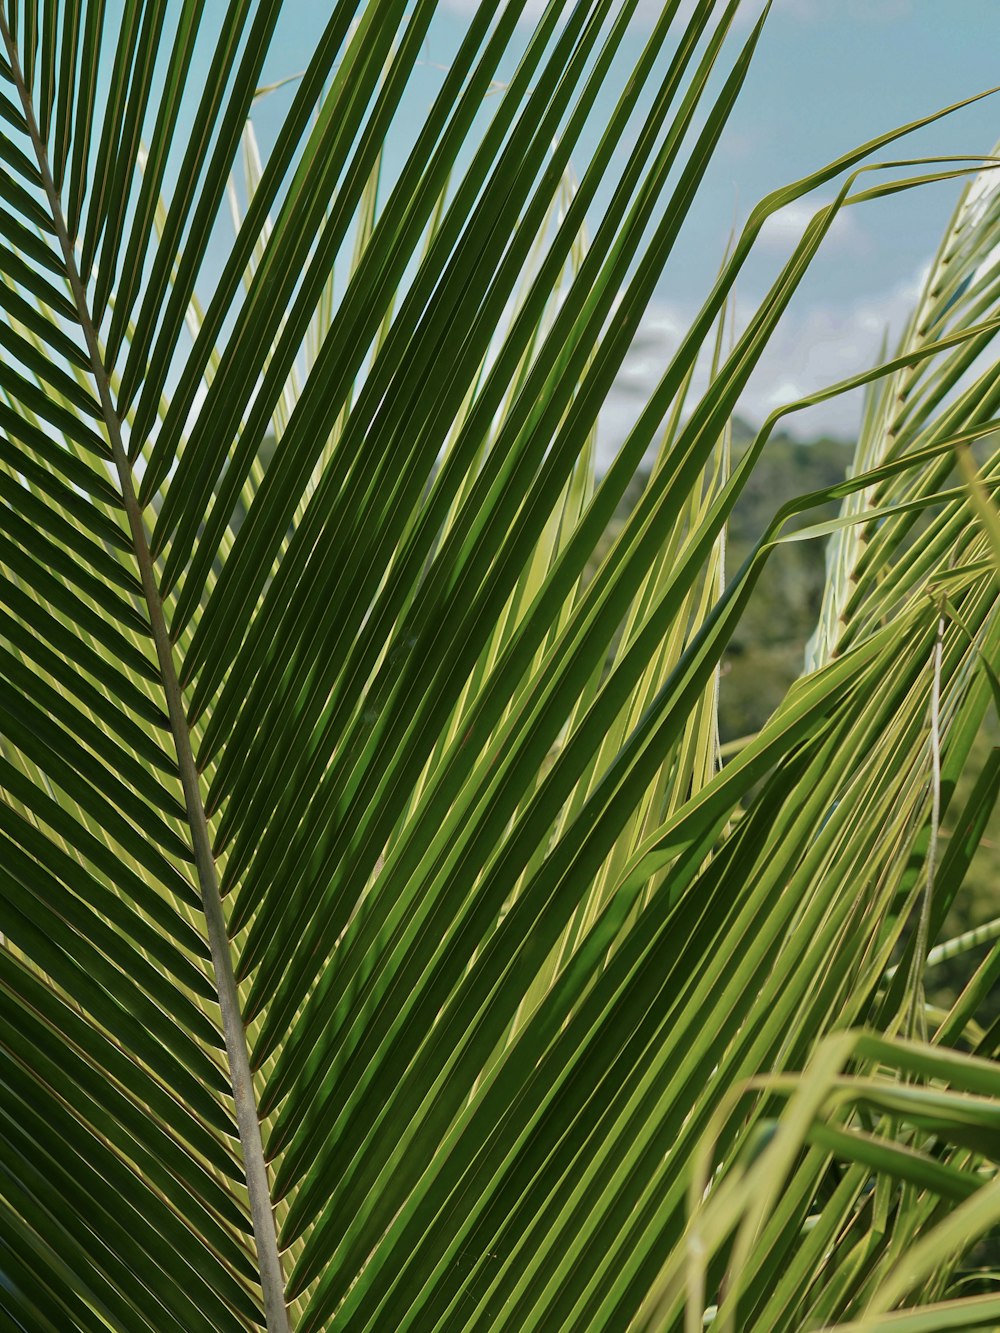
x=767, y=651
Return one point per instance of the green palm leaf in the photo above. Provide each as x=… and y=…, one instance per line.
x=384, y=944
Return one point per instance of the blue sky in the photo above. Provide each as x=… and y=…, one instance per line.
x=828, y=74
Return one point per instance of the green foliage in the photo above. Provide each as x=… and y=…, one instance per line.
x=766, y=652
x=767, y=649
x=385, y=943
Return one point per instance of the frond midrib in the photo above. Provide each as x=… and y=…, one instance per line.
x=234, y=1032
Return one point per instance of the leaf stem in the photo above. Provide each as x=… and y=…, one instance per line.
x=234, y=1032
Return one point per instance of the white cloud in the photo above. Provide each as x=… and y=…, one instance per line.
x=784, y=228
x=826, y=342
x=810, y=349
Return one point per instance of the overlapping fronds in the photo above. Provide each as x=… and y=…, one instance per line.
x=385, y=945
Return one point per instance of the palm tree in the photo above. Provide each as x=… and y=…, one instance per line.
x=385, y=943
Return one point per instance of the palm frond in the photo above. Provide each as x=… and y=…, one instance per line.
x=385, y=944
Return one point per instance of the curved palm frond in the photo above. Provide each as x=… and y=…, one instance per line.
x=381, y=933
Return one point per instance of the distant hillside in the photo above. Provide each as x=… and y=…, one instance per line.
x=766, y=653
